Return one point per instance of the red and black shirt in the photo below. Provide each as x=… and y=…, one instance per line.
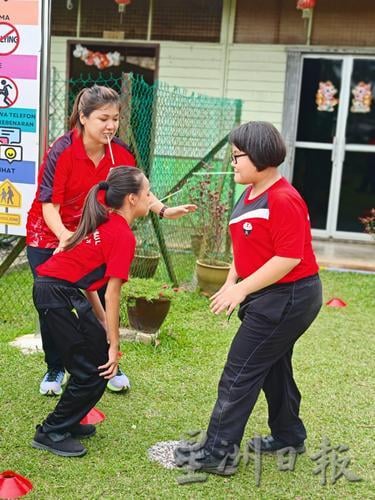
x=66, y=176
x=276, y=223
x=106, y=253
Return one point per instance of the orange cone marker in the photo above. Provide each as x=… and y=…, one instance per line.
x=94, y=416
x=336, y=302
x=13, y=485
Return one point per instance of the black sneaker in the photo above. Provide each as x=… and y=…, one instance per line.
x=83, y=431
x=269, y=444
x=59, y=444
x=202, y=460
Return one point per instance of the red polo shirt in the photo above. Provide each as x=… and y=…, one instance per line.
x=106, y=253
x=275, y=223
x=65, y=177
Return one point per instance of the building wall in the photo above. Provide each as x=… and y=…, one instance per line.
x=253, y=73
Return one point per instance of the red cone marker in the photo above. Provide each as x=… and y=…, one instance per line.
x=335, y=302
x=13, y=485
x=94, y=416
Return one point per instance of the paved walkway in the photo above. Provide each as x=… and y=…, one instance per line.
x=345, y=255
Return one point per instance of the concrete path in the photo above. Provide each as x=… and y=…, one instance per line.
x=345, y=255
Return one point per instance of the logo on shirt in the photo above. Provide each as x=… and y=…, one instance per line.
x=95, y=238
x=247, y=228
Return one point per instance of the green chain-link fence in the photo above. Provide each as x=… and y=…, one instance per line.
x=180, y=140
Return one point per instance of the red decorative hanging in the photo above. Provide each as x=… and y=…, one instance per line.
x=303, y=4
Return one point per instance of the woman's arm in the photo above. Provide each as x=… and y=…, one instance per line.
x=271, y=272
x=112, y=313
x=170, y=212
x=52, y=217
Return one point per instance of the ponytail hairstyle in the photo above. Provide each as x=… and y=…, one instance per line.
x=90, y=99
x=120, y=182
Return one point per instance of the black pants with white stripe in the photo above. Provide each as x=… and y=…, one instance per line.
x=82, y=344
x=260, y=357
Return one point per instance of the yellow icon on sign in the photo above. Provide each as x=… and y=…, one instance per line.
x=9, y=195
x=10, y=153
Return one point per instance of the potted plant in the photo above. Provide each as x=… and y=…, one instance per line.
x=147, y=255
x=147, y=303
x=198, y=196
x=369, y=222
x=212, y=265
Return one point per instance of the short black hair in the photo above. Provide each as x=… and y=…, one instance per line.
x=261, y=141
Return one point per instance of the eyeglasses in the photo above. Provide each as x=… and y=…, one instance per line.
x=234, y=157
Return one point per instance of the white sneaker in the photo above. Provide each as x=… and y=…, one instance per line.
x=53, y=382
x=119, y=382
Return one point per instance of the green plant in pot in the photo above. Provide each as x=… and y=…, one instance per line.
x=212, y=265
x=147, y=302
x=368, y=222
x=198, y=195
x=147, y=255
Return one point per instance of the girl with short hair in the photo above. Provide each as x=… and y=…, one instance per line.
x=274, y=279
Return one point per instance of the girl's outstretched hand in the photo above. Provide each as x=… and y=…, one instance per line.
x=179, y=211
x=109, y=370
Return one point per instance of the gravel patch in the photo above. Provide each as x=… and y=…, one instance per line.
x=162, y=453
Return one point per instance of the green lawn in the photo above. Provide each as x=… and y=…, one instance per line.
x=173, y=391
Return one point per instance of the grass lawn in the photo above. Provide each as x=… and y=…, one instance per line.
x=173, y=391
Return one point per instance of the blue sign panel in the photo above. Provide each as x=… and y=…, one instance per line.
x=22, y=118
x=18, y=171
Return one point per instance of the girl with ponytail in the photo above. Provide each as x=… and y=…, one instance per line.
x=75, y=162
x=98, y=253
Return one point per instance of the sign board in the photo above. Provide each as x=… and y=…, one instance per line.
x=10, y=219
x=21, y=45
x=10, y=197
x=9, y=39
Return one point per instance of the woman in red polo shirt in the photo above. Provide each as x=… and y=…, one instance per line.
x=98, y=253
x=75, y=162
x=274, y=280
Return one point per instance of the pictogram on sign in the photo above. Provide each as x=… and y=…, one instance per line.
x=8, y=92
x=9, y=195
x=9, y=39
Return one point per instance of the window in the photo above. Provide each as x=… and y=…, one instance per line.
x=63, y=21
x=348, y=23
x=269, y=21
x=187, y=20
x=101, y=19
x=99, y=16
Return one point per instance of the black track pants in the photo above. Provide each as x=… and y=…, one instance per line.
x=82, y=344
x=260, y=357
x=37, y=256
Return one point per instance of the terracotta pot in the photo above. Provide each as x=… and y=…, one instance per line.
x=147, y=316
x=211, y=276
x=144, y=266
